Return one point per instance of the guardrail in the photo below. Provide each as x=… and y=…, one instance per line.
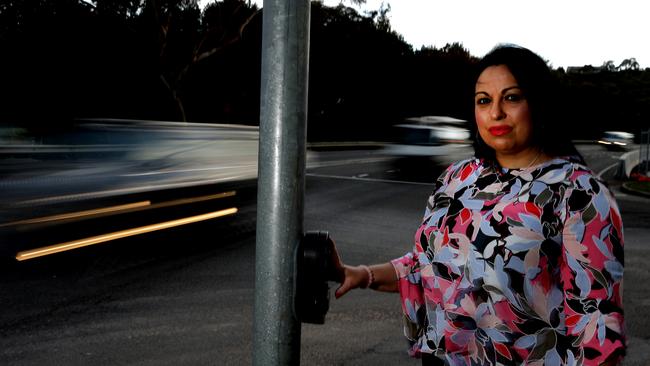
x=626, y=163
x=644, y=153
x=639, y=159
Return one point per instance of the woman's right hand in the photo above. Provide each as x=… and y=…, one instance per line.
x=349, y=277
x=353, y=277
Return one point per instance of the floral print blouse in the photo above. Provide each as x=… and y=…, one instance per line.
x=519, y=266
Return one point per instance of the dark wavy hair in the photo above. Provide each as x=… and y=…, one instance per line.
x=540, y=89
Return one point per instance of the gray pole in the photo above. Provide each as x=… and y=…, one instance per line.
x=285, y=60
x=647, y=152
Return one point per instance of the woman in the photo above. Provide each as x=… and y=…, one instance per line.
x=519, y=256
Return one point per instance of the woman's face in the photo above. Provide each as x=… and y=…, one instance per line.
x=501, y=111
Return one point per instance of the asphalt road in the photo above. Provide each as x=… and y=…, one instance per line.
x=185, y=297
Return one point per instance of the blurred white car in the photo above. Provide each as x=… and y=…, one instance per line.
x=430, y=136
x=100, y=180
x=616, y=139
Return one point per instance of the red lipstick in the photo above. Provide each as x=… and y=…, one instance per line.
x=500, y=130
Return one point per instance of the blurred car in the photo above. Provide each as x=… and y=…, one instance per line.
x=430, y=137
x=422, y=143
x=99, y=180
x=616, y=140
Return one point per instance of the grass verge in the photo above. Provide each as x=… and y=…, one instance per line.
x=638, y=186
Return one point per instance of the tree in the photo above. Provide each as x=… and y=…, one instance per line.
x=380, y=17
x=609, y=66
x=122, y=9
x=629, y=64
x=189, y=37
x=170, y=60
x=357, y=73
x=223, y=80
x=116, y=58
x=353, y=2
x=39, y=43
x=440, y=81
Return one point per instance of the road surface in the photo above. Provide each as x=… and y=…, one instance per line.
x=184, y=297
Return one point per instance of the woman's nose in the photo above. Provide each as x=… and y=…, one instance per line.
x=497, y=112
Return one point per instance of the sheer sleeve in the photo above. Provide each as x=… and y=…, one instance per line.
x=411, y=293
x=408, y=270
x=592, y=272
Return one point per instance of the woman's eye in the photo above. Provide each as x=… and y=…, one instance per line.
x=481, y=101
x=513, y=97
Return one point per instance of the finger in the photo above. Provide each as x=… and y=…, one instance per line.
x=336, y=258
x=342, y=290
x=338, y=266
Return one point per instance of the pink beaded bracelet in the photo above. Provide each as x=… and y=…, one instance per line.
x=371, y=276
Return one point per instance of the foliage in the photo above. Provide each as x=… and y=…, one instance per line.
x=629, y=64
x=111, y=58
x=606, y=100
x=171, y=60
x=357, y=71
x=641, y=186
x=442, y=80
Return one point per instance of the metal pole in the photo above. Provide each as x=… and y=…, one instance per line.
x=647, y=152
x=644, y=149
x=641, y=151
x=285, y=60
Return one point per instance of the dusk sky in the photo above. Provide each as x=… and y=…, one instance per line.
x=567, y=33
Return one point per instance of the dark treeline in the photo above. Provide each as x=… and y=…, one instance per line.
x=170, y=60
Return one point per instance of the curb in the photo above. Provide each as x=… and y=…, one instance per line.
x=625, y=188
x=345, y=145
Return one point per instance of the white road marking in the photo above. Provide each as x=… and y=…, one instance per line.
x=368, y=179
x=600, y=174
x=157, y=172
x=321, y=164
